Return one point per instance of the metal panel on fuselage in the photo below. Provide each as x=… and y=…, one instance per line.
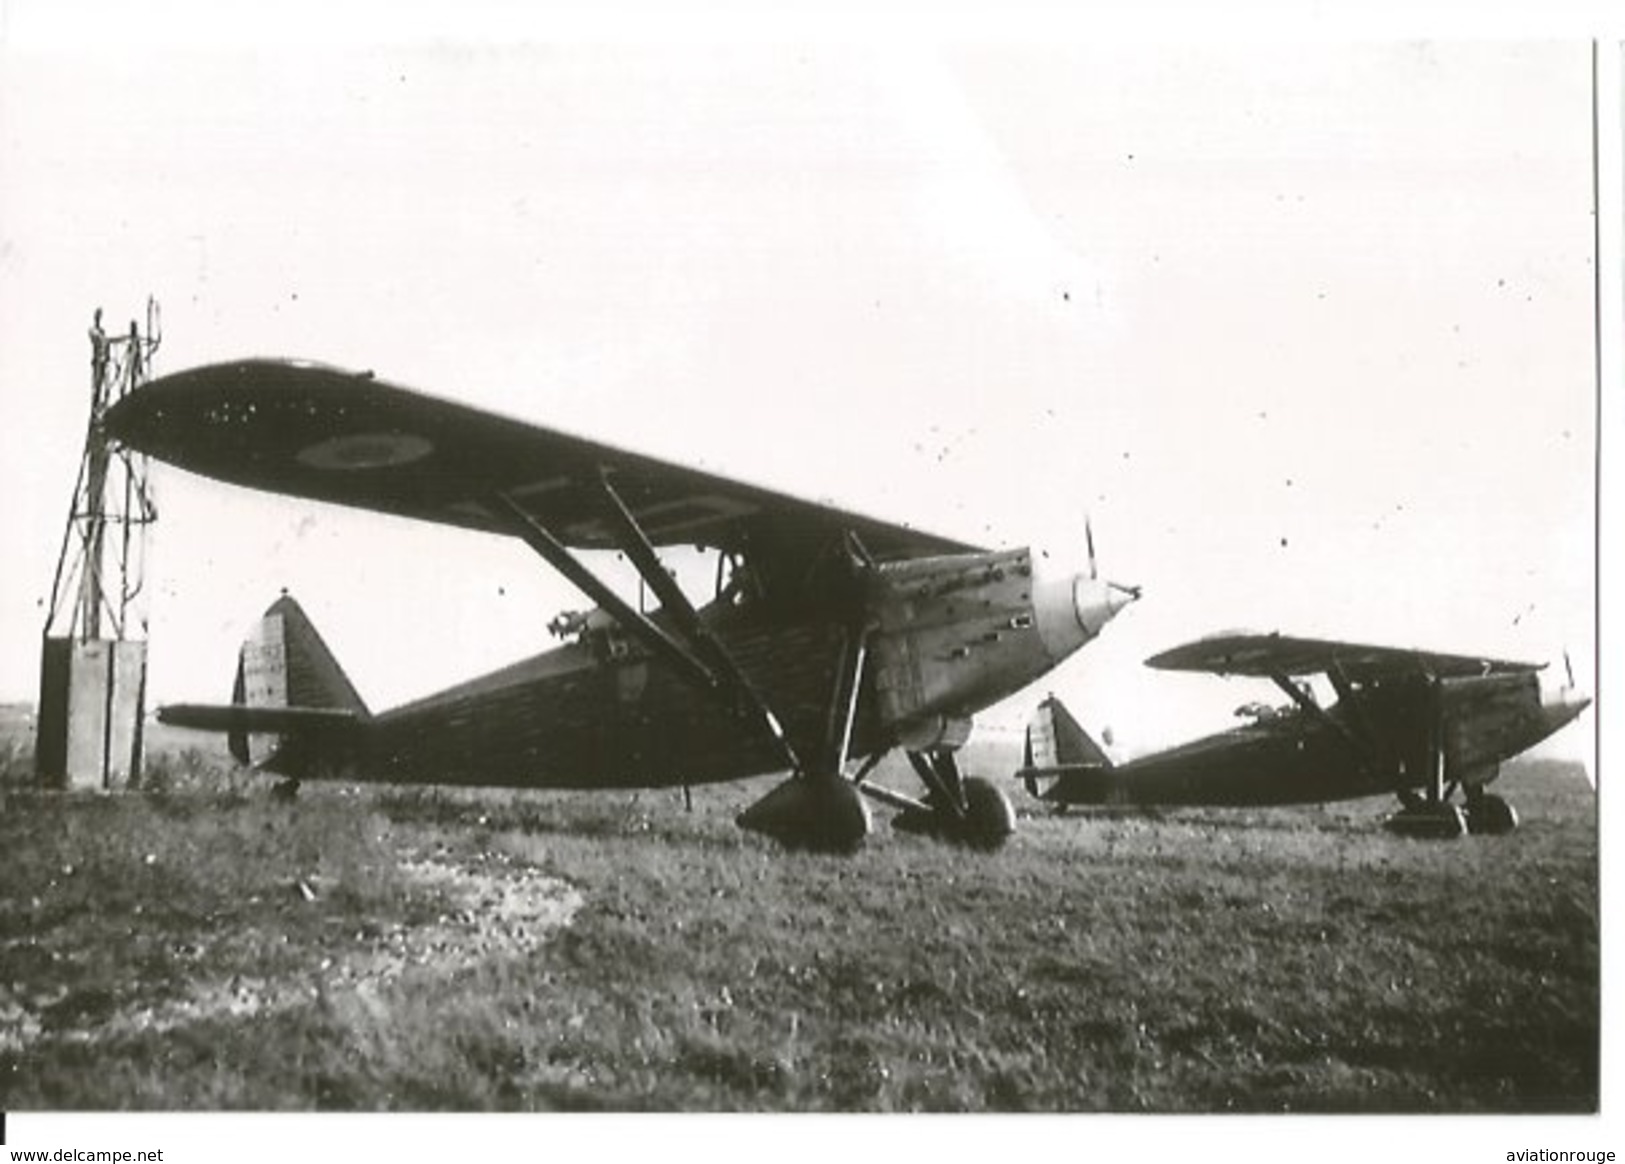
x=955, y=634
x=1289, y=761
x=1489, y=719
x=573, y=719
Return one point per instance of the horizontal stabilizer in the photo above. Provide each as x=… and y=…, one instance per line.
x=237, y=717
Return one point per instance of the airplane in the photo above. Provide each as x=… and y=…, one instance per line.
x=831, y=638
x=1410, y=723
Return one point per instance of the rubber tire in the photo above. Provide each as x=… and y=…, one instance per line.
x=989, y=819
x=1490, y=816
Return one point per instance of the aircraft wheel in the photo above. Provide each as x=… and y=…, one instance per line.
x=1488, y=815
x=986, y=824
x=817, y=814
x=989, y=819
x=285, y=791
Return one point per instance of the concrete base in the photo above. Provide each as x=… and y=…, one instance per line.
x=91, y=707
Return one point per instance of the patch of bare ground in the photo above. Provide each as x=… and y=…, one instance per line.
x=497, y=909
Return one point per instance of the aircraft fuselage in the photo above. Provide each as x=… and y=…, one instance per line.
x=946, y=637
x=1375, y=743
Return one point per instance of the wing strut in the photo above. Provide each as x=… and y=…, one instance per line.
x=813, y=809
x=1343, y=685
x=672, y=600
x=1303, y=700
x=843, y=705
x=636, y=622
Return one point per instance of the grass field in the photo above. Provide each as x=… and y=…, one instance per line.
x=211, y=947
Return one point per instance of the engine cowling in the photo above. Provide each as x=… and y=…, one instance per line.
x=956, y=634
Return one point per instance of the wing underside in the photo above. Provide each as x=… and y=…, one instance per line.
x=1271, y=655
x=335, y=436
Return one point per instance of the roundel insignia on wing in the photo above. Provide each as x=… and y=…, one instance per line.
x=366, y=450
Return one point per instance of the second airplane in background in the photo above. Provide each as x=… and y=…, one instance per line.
x=1415, y=724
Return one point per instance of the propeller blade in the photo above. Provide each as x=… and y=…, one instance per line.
x=1089, y=541
x=1568, y=666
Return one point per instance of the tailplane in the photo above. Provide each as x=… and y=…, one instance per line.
x=1056, y=740
x=291, y=702
x=1060, y=754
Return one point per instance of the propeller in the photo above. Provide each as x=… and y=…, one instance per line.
x=1568, y=666
x=1133, y=592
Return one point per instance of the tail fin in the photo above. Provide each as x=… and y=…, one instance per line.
x=289, y=700
x=284, y=663
x=1056, y=740
x=1058, y=747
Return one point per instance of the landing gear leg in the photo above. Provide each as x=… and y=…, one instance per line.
x=1430, y=816
x=966, y=810
x=820, y=809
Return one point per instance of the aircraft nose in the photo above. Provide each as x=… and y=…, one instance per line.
x=1097, y=603
x=1574, y=702
x=1071, y=610
x=1561, y=704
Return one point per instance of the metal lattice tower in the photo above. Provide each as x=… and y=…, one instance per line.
x=93, y=662
x=96, y=581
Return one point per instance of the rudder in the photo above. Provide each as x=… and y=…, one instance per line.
x=1056, y=740
x=284, y=663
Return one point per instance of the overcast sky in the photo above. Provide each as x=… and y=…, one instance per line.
x=1305, y=327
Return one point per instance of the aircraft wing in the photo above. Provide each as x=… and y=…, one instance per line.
x=1268, y=655
x=331, y=435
